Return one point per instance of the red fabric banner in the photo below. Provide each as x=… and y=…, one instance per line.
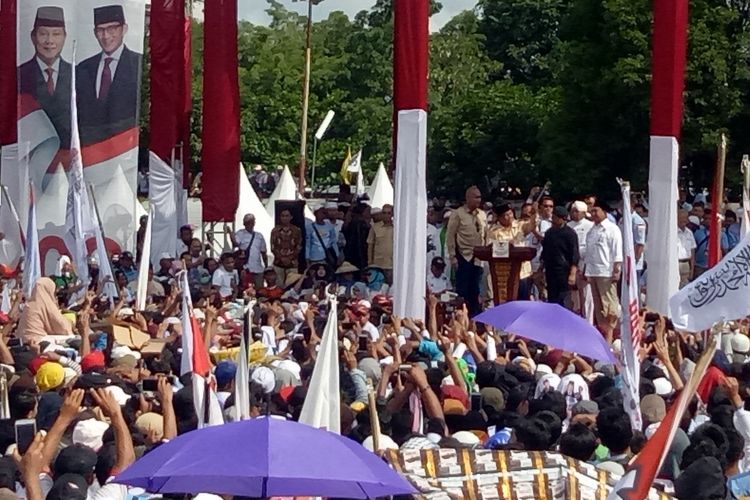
x=411, y=34
x=187, y=99
x=8, y=86
x=669, y=53
x=166, y=42
x=221, y=112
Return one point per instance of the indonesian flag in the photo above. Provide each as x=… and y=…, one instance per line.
x=635, y=484
x=410, y=62
x=32, y=266
x=669, y=53
x=195, y=360
x=630, y=328
x=322, y=408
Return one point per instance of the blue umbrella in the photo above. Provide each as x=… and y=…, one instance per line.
x=549, y=324
x=265, y=457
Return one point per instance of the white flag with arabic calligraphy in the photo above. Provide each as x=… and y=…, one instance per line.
x=720, y=294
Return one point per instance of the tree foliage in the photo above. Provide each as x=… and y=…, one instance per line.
x=521, y=91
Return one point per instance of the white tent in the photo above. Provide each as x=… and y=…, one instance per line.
x=381, y=189
x=286, y=190
x=251, y=204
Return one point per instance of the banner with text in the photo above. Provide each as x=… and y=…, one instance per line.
x=102, y=41
x=720, y=294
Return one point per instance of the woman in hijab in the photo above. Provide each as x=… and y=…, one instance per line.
x=42, y=316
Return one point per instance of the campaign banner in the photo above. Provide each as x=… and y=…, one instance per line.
x=102, y=42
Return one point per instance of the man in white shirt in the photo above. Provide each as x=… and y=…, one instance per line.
x=686, y=246
x=602, y=268
x=583, y=301
x=437, y=281
x=254, y=245
x=226, y=279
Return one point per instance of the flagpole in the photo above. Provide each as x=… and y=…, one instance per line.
x=305, y=98
x=714, y=250
x=14, y=212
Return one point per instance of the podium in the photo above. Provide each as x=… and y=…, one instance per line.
x=505, y=271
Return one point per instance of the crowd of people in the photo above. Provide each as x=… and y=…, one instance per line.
x=443, y=382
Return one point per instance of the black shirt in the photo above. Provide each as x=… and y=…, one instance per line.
x=560, y=250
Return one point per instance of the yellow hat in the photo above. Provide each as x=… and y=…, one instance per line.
x=70, y=316
x=49, y=376
x=258, y=351
x=357, y=406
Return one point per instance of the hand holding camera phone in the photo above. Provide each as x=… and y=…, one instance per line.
x=25, y=432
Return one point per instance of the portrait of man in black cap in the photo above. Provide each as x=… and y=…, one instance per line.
x=46, y=77
x=109, y=82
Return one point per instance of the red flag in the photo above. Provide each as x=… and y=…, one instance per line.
x=221, y=112
x=8, y=82
x=187, y=98
x=635, y=484
x=166, y=32
x=201, y=361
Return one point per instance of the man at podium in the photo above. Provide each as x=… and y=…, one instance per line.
x=507, y=229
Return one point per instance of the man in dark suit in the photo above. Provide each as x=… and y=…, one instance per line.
x=108, y=83
x=46, y=77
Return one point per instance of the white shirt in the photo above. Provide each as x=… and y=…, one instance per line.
x=223, y=280
x=438, y=284
x=372, y=331
x=115, y=56
x=542, y=226
x=603, y=250
x=639, y=236
x=254, y=245
x=685, y=243
x=55, y=69
x=582, y=228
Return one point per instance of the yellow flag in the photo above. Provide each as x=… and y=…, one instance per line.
x=345, y=174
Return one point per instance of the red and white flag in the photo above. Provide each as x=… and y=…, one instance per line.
x=195, y=360
x=630, y=327
x=635, y=484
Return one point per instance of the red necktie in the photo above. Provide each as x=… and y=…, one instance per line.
x=50, y=81
x=106, y=79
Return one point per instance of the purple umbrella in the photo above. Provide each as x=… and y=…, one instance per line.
x=265, y=457
x=549, y=324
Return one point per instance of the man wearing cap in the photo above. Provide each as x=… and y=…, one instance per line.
x=254, y=245
x=507, y=229
x=685, y=248
x=47, y=77
x=559, y=258
x=437, y=281
x=109, y=82
x=380, y=243
x=602, y=268
x=466, y=230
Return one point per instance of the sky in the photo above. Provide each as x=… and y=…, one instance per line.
x=254, y=10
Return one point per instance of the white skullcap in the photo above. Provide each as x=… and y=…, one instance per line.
x=264, y=377
x=580, y=206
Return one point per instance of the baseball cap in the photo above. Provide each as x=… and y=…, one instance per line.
x=75, y=459
x=225, y=372
x=560, y=212
x=90, y=433
x=92, y=361
x=49, y=376
x=69, y=487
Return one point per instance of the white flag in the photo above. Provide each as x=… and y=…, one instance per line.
x=745, y=227
x=32, y=265
x=242, y=378
x=630, y=328
x=355, y=165
x=721, y=293
x=78, y=211
x=143, y=264
x=322, y=405
x=106, y=276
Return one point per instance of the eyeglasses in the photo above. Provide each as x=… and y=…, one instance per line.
x=109, y=30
